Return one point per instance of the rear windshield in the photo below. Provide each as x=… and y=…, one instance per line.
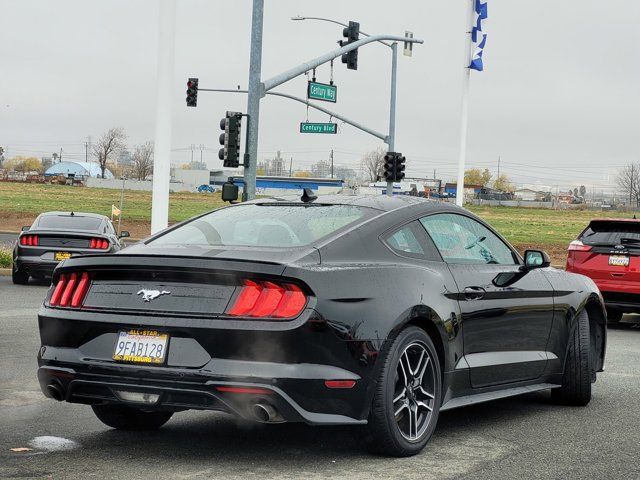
x=68, y=222
x=611, y=233
x=265, y=225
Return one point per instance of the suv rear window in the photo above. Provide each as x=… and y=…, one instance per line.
x=265, y=225
x=610, y=232
x=68, y=222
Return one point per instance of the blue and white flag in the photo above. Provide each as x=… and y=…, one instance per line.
x=479, y=35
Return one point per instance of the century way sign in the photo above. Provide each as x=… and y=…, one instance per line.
x=310, y=127
x=322, y=91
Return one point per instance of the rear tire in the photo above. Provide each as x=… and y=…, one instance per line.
x=19, y=278
x=576, y=381
x=407, y=396
x=613, y=316
x=122, y=417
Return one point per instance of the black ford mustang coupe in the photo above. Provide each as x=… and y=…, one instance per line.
x=56, y=236
x=370, y=311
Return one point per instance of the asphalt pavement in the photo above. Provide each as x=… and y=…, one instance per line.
x=8, y=238
x=524, y=437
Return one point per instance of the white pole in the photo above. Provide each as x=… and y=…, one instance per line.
x=464, y=115
x=162, y=147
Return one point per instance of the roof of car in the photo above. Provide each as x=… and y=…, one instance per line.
x=73, y=214
x=608, y=219
x=379, y=202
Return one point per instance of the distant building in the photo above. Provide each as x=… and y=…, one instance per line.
x=77, y=170
x=469, y=189
x=322, y=169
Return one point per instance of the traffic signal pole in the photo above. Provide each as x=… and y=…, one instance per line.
x=391, y=142
x=253, y=102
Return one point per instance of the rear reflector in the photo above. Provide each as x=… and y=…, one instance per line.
x=578, y=246
x=268, y=300
x=246, y=390
x=70, y=290
x=339, y=383
x=29, y=240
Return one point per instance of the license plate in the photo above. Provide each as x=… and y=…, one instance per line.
x=141, y=346
x=62, y=255
x=619, y=260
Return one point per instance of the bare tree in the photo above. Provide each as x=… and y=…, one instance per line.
x=629, y=181
x=373, y=163
x=142, y=161
x=108, y=146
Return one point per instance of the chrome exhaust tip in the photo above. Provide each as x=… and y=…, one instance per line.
x=265, y=413
x=55, y=391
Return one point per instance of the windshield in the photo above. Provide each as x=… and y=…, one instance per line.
x=611, y=233
x=68, y=222
x=263, y=225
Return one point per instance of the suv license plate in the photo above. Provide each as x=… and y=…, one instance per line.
x=619, y=260
x=141, y=346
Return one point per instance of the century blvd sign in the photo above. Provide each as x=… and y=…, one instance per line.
x=322, y=91
x=307, y=127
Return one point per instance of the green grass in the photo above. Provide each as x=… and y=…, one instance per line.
x=539, y=226
x=5, y=257
x=30, y=199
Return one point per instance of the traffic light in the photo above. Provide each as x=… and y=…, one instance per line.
x=230, y=139
x=389, y=166
x=394, y=165
x=192, y=92
x=351, y=33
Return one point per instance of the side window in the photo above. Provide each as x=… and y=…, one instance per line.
x=405, y=241
x=411, y=241
x=461, y=239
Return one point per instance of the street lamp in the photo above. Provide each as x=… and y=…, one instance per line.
x=394, y=67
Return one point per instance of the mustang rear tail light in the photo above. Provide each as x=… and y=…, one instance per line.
x=29, y=240
x=70, y=290
x=578, y=246
x=99, y=243
x=268, y=300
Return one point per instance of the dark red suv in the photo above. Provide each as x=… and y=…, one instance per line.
x=608, y=251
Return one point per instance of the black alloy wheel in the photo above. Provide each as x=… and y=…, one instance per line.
x=407, y=398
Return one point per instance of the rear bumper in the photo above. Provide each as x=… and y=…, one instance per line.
x=178, y=388
x=622, y=301
x=35, y=266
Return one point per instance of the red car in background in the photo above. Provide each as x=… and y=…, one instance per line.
x=608, y=251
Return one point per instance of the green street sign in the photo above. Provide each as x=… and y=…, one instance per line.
x=322, y=91
x=306, y=127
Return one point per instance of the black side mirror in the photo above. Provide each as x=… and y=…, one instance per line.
x=123, y=234
x=26, y=228
x=536, y=259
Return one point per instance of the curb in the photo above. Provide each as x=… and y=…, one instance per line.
x=5, y=272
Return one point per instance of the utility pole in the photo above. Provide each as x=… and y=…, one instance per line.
x=121, y=203
x=331, y=163
x=192, y=147
x=201, y=150
x=60, y=154
x=256, y=92
x=86, y=151
x=290, y=166
x=498, y=167
x=164, y=96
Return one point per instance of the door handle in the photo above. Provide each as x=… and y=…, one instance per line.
x=474, y=293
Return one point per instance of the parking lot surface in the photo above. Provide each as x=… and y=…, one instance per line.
x=524, y=437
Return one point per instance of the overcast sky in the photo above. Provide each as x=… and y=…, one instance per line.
x=559, y=100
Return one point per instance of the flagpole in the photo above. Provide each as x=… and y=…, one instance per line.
x=464, y=114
